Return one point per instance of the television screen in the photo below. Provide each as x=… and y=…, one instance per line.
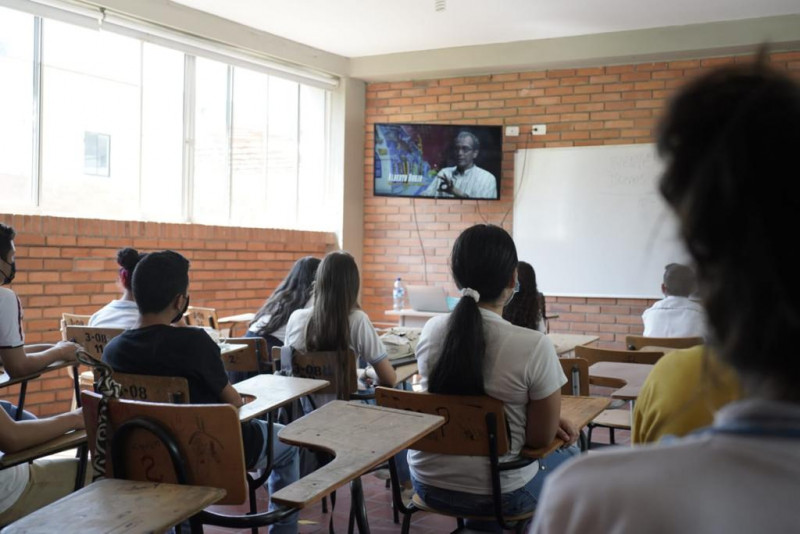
x=438, y=161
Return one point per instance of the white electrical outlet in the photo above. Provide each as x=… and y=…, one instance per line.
x=539, y=129
x=512, y=131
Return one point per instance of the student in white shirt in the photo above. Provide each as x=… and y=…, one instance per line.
x=17, y=358
x=676, y=315
x=474, y=351
x=730, y=142
x=122, y=312
x=335, y=321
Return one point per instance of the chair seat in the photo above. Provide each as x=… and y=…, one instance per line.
x=419, y=503
x=614, y=419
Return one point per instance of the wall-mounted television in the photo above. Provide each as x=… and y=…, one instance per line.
x=438, y=161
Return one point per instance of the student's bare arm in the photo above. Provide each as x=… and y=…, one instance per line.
x=18, y=362
x=386, y=374
x=230, y=396
x=543, y=420
x=19, y=435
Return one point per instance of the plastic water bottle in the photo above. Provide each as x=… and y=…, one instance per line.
x=398, y=294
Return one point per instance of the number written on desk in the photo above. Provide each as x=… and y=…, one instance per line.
x=135, y=392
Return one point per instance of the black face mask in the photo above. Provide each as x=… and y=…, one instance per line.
x=8, y=278
x=180, y=315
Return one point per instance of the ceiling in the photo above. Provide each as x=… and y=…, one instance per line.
x=356, y=28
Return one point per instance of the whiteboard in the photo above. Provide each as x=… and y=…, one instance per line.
x=591, y=221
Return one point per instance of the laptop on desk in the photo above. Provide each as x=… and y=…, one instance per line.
x=427, y=299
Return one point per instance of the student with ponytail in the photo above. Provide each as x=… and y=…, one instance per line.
x=122, y=312
x=474, y=351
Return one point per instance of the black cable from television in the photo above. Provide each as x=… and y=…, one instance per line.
x=419, y=237
x=521, y=180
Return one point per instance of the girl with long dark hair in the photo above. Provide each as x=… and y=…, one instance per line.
x=475, y=351
x=335, y=321
x=292, y=294
x=527, y=307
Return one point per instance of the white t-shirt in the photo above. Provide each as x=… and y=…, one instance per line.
x=706, y=483
x=14, y=479
x=116, y=314
x=364, y=339
x=675, y=317
x=520, y=365
x=279, y=333
x=10, y=320
x=473, y=182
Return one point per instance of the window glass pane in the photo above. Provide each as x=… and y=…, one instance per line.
x=162, y=134
x=312, y=209
x=282, y=154
x=249, y=150
x=91, y=91
x=16, y=108
x=211, y=164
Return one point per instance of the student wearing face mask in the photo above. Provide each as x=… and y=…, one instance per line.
x=155, y=347
x=474, y=351
x=17, y=358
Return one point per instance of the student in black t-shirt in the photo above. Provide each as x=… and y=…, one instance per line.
x=154, y=347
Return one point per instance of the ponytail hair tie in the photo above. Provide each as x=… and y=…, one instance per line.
x=469, y=292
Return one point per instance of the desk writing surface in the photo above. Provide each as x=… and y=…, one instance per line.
x=6, y=380
x=61, y=443
x=404, y=372
x=119, y=506
x=567, y=342
x=577, y=410
x=629, y=377
x=273, y=391
x=241, y=318
x=359, y=435
x=230, y=348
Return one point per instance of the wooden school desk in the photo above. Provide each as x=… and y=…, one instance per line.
x=628, y=377
x=68, y=441
x=566, y=343
x=265, y=393
x=360, y=436
x=409, y=317
x=119, y=506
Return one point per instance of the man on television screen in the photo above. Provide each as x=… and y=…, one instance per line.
x=465, y=180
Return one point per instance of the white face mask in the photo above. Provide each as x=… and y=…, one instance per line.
x=513, y=292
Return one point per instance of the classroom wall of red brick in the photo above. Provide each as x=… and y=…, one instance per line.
x=617, y=104
x=69, y=265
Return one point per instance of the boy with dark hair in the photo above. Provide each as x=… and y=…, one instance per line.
x=154, y=347
x=676, y=315
x=18, y=359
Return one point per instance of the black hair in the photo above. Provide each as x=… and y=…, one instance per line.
x=525, y=309
x=158, y=278
x=679, y=280
x=335, y=297
x=290, y=295
x=483, y=259
x=128, y=258
x=730, y=140
x=7, y=235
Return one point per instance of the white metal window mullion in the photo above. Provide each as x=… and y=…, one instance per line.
x=189, y=94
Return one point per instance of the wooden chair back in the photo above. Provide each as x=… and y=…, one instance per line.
x=464, y=431
x=72, y=319
x=577, y=372
x=150, y=388
x=199, y=316
x=254, y=358
x=594, y=355
x=208, y=438
x=338, y=368
x=92, y=339
x=637, y=342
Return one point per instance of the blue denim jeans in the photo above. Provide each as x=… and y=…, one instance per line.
x=285, y=470
x=515, y=502
x=11, y=410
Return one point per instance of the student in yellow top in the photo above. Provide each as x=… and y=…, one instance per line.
x=682, y=393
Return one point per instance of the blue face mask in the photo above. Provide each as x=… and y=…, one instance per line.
x=513, y=292
x=516, y=287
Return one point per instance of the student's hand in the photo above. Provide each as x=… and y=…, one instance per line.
x=68, y=350
x=76, y=419
x=567, y=432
